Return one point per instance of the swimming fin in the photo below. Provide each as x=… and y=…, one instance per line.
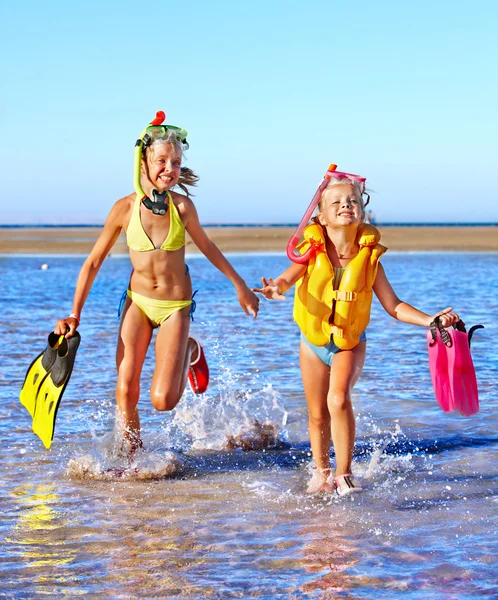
x=438, y=366
x=463, y=380
x=452, y=370
x=37, y=370
x=46, y=381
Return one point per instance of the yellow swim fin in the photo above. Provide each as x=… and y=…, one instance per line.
x=37, y=370
x=45, y=383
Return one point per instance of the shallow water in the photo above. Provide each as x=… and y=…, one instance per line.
x=193, y=519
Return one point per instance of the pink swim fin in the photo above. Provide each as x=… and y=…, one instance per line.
x=453, y=376
x=438, y=366
x=463, y=380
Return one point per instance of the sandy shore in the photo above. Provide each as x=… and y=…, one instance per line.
x=249, y=239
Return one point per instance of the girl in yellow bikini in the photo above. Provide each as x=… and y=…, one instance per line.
x=159, y=294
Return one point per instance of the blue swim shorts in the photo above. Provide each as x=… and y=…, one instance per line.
x=326, y=353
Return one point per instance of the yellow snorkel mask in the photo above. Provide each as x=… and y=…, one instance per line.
x=154, y=131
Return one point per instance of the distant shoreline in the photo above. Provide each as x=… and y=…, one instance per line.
x=241, y=225
x=254, y=238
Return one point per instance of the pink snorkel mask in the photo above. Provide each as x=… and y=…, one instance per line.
x=331, y=173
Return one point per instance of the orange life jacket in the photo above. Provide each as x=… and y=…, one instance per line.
x=315, y=292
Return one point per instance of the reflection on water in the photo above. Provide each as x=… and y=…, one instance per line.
x=42, y=552
x=215, y=505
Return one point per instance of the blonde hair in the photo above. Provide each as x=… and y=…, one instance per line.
x=358, y=188
x=187, y=176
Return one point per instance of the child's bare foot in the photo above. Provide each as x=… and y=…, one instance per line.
x=132, y=442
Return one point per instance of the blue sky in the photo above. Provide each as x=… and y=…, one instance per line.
x=404, y=93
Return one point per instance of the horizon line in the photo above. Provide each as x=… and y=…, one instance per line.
x=254, y=225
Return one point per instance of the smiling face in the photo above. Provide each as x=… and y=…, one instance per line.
x=162, y=165
x=340, y=205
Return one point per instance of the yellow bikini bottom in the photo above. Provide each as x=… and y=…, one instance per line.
x=157, y=311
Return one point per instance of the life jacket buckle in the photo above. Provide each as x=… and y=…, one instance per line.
x=345, y=296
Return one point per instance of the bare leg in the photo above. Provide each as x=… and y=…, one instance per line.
x=316, y=377
x=344, y=372
x=173, y=354
x=134, y=338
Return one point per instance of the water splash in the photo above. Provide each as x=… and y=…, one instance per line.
x=374, y=464
x=107, y=460
x=149, y=466
x=236, y=418
x=255, y=436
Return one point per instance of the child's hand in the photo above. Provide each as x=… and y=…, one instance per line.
x=248, y=300
x=270, y=290
x=66, y=327
x=446, y=317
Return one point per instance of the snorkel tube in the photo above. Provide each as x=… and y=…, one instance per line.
x=160, y=116
x=291, y=246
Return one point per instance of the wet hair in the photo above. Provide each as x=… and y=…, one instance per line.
x=359, y=190
x=187, y=176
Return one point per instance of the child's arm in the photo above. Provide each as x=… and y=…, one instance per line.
x=91, y=266
x=248, y=301
x=406, y=312
x=274, y=289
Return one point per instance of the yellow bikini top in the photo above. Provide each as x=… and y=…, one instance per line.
x=138, y=240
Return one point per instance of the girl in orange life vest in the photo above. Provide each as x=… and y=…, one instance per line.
x=332, y=308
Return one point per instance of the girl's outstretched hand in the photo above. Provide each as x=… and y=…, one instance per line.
x=270, y=290
x=248, y=301
x=446, y=317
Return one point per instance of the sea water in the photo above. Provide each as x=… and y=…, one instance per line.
x=215, y=504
